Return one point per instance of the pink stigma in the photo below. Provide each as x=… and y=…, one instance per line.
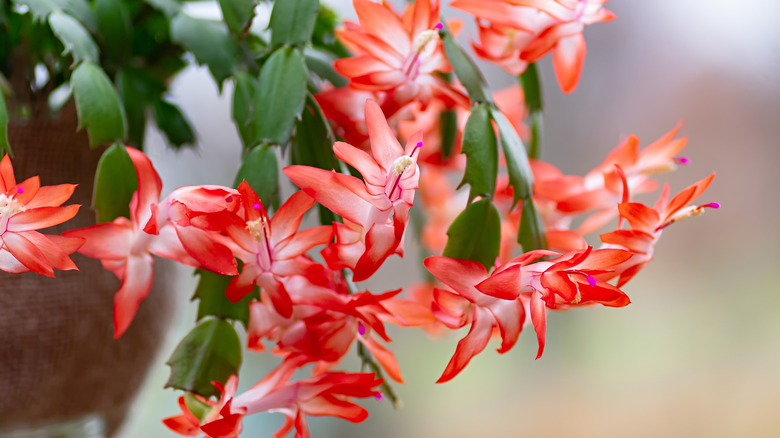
x=256, y=206
x=715, y=205
x=419, y=144
x=20, y=190
x=379, y=397
x=591, y=281
x=361, y=329
x=682, y=160
x=439, y=26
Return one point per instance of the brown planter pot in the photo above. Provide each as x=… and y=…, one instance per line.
x=58, y=358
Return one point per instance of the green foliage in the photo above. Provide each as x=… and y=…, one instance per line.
x=292, y=21
x=237, y=14
x=137, y=88
x=168, y=7
x=520, y=176
x=115, y=183
x=4, y=146
x=531, y=234
x=210, y=352
x=97, y=103
x=532, y=90
x=209, y=42
x=113, y=22
x=479, y=145
x=448, y=120
x=261, y=170
x=213, y=302
x=76, y=39
x=40, y=9
x=173, y=124
x=465, y=69
x=313, y=146
x=243, y=100
x=280, y=95
x=475, y=234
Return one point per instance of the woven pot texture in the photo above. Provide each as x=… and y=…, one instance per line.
x=58, y=358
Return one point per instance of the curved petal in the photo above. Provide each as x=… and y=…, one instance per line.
x=568, y=58
x=287, y=219
x=136, y=284
x=43, y=217
x=211, y=254
x=27, y=253
x=110, y=240
x=384, y=356
x=474, y=342
x=384, y=145
x=461, y=275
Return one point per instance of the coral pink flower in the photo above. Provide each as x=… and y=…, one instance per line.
x=648, y=223
x=125, y=247
x=397, y=55
x=561, y=197
x=523, y=31
x=25, y=208
x=497, y=309
x=269, y=247
x=573, y=279
x=375, y=210
x=325, y=395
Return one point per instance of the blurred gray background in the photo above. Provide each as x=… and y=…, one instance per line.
x=697, y=353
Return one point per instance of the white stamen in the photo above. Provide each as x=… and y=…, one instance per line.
x=402, y=163
x=256, y=227
x=9, y=206
x=424, y=38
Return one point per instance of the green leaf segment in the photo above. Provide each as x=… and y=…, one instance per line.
x=210, y=352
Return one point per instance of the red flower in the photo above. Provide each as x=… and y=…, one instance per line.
x=269, y=247
x=397, y=55
x=125, y=247
x=523, y=31
x=648, y=223
x=25, y=208
x=375, y=210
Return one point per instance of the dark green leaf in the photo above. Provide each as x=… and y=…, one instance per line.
x=520, y=176
x=243, y=101
x=532, y=89
x=323, y=67
x=237, y=14
x=81, y=10
x=280, y=94
x=213, y=302
x=475, y=234
x=261, y=170
x=137, y=88
x=210, y=352
x=97, y=103
x=313, y=145
x=4, y=145
x=531, y=234
x=115, y=182
x=40, y=9
x=449, y=129
x=76, y=39
x=465, y=69
x=481, y=149
x=209, y=42
x=167, y=7
x=292, y=21
x=173, y=124
x=113, y=22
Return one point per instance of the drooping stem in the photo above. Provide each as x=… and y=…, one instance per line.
x=532, y=89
